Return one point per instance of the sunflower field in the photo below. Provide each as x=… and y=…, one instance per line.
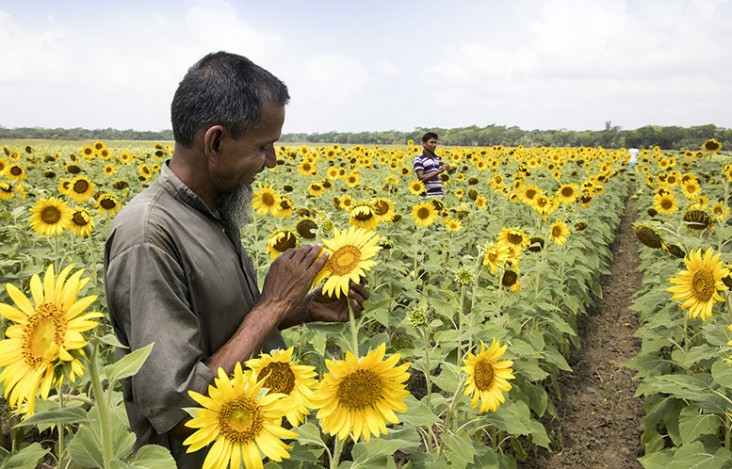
x=473, y=312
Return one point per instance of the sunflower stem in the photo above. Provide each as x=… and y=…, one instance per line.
x=461, y=313
x=336, y=453
x=354, y=328
x=428, y=375
x=61, y=430
x=102, y=405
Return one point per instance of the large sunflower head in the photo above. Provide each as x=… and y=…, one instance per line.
x=424, y=214
x=80, y=189
x=243, y=421
x=281, y=374
x=648, y=236
x=699, y=285
x=488, y=376
x=359, y=396
x=45, y=341
x=350, y=255
x=50, y=216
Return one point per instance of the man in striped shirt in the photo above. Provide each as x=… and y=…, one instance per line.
x=428, y=167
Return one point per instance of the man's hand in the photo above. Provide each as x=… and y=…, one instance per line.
x=291, y=275
x=326, y=308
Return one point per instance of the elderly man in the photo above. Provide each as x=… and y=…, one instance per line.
x=176, y=273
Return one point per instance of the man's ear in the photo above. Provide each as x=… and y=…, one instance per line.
x=213, y=141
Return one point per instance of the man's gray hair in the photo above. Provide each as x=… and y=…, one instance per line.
x=223, y=89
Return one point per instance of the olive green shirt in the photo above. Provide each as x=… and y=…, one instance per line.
x=175, y=276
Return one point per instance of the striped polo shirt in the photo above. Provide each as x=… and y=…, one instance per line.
x=429, y=164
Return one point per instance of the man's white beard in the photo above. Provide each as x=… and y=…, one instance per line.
x=235, y=207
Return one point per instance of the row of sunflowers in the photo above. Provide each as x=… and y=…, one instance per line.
x=684, y=362
x=472, y=315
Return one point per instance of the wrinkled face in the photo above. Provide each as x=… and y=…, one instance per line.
x=430, y=145
x=241, y=160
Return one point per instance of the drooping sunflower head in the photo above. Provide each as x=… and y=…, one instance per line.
x=697, y=220
x=536, y=244
x=280, y=241
x=675, y=250
x=648, y=236
x=307, y=228
x=363, y=215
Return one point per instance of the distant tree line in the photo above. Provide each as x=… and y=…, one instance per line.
x=666, y=137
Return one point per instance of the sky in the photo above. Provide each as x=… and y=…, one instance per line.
x=377, y=65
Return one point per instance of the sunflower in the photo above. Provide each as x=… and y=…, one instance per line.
x=699, y=286
x=481, y=203
x=316, y=189
x=384, y=210
x=360, y=396
x=665, y=203
x=417, y=188
x=109, y=169
x=558, y=232
x=510, y=277
x=45, y=342
x=282, y=375
x=362, y=215
x=496, y=255
x=15, y=172
x=424, y=214
x=648, y=236
x=346, y=202
x=568, y=193
x=712, y=146
x=80, y=189
x=453, y=225
x=145, y=171
x=3, y=166
x=281, y=241
x=515, y=236
x=6, y=190
x=307, y=168
x=529, y=192
x=720, y=211
x=307, y=228
x=87, y=152
x=488, y=376
x=50, y=216
x=126, y=157
x=81, y=222
x=108, y=204
x=349, y=258
x=241, y=421
x=286, y=207
x=352, y=180
x=266, y=200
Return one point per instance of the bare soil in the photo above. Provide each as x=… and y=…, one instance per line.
x=600, y=422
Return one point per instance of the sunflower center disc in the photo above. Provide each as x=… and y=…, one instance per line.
x=515, y=238
x=267, y=199
x=557, y=231
x=240, y=420
x=703, y=285
x=483, y=375
x=46, y=328
x=50, y=215
x=344, y=260
x=80, y=219
x=107, y=204
x=81, y=186
x=280, y=377
x=360, y=389
x=423, y=213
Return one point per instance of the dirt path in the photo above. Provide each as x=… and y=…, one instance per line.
x=600, y=421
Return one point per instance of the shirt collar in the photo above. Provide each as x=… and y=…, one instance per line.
x=175, y=187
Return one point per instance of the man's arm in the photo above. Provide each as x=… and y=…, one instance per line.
x=423, y=176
